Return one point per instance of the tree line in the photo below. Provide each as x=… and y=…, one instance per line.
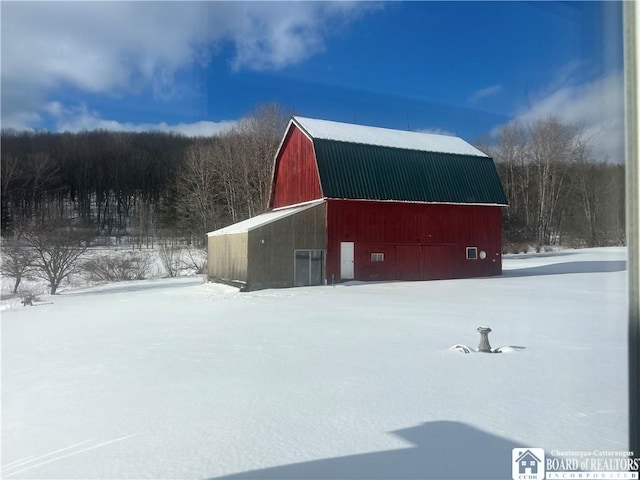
x=140, y=185
x=145, y=186
x=559, y=194
x=227, y=178
x=62, y=193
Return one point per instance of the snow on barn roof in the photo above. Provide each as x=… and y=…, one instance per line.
x=263, y=219
x=385, y=137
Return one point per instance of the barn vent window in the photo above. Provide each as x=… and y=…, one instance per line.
x=472, y=253
x=377, y=257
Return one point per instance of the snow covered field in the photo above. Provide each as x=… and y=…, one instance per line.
x=178, y=379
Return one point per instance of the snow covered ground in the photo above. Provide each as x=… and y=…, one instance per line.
x=179, y=379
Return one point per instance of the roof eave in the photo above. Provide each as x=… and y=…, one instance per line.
x=421, y=202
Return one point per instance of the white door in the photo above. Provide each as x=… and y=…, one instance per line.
x=346, y=260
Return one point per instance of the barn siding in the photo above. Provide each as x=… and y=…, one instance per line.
x=296, y=177
x=227, y=257
x=420, y=241
x=271, y=262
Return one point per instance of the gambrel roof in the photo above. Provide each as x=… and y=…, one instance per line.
x=372, y=163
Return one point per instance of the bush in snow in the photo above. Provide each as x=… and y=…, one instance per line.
x=195, y=260
x=171, y=258
x=117, y=268
x=176, y=260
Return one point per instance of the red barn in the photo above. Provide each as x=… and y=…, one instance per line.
x=351, y=202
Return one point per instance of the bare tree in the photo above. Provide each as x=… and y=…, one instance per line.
x=10, y=170
x=537, y=164
x=229, y=170
x=199, y=190
x=552, y=148
x=511, y=155
x=227, y=178
x=57, y=250
x=171, y=257
x=17, y=262
x=261, y=134
x=557, y=190
x=512, y=144
x=589, y=192
x=42, y=172
x=596, y=203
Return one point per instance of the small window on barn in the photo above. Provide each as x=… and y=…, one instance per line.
x=472, y=253
x=377, y=257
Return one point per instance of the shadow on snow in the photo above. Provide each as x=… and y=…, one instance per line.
x=593, y=266
x=600, y=266
x=443, y=450
x=136, y=286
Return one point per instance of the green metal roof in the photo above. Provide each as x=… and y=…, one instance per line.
x=359, y=171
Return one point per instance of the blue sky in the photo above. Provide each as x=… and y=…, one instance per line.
x=464, y=68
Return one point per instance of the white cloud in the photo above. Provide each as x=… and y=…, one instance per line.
x=21, y=120
x=596, y=107
x=120, y=48
x=81, y=118
x=485, y=92
x=197, y=129
x=272, y=35
x=437, y=131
